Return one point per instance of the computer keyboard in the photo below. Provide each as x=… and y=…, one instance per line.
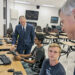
x=4, y=60
x=13, y=52
x=8, y=41
x=17, y=73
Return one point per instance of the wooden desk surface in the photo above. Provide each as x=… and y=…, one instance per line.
x=5, y=45
x=51, y=37
x=63, y=33
x=69, y=43
x=53, y=33
x=63, y=37
x=16, y=65
x=40, y=33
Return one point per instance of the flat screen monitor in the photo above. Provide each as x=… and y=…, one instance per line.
x=58, y=27
x=54, y=19
x=32, y=15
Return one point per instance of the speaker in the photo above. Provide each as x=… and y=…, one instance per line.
x=37, y=6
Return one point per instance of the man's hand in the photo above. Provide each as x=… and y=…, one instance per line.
x=17, y=58
x=12, y=48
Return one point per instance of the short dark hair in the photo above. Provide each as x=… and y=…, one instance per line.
x=40, y=37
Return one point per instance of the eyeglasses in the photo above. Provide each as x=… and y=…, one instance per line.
x=55, y=52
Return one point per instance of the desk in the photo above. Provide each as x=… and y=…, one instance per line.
x=40, y=33
x=51, y=37
x=70, y=49
x=5, y=46
x=69, y=43
x=65, y=34
x=53, y=33
x=63, y=37
x=16, y=65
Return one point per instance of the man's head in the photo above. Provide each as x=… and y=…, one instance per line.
x=67, y=17
x=54, y=51
x=39, y=39
x=22, y=20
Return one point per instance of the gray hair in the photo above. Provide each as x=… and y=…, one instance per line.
x=21, y=17
x=68, y=7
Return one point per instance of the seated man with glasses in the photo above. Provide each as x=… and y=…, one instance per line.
x=52, y=66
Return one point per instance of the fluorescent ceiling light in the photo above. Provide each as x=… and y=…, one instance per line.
x=48, y=5
x=22, y=2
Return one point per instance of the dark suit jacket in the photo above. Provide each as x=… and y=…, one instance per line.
x=25, y=39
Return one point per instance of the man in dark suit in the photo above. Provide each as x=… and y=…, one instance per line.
x=25, y=35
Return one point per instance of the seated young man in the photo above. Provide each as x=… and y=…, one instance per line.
x=37, y=55
x=52, y=66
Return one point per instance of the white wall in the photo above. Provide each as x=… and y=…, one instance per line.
x=45, y=14
x=1, y=18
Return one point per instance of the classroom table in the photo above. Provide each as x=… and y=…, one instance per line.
x=53, y=33
x=40, y=33
x=71, y=47
x=5, y=46
x=63, y=37
x=16, y=65
x=69, y=43
x=63, y=34
x=51, y=38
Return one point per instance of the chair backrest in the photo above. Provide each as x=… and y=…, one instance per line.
x=46, y=30
x=38, y=29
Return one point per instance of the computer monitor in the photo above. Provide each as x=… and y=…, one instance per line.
x=32, y=15
x=54, y=19
x=59, y=28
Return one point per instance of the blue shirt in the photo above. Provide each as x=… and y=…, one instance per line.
x=47, y=69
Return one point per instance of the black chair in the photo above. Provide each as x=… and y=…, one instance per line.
x=10, y=30
x=38, y=29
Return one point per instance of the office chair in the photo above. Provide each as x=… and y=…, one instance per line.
x=10, y=30
x=38, y=29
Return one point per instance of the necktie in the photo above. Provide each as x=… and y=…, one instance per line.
x=23, y=29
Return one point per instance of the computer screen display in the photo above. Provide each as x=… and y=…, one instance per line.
x=32, y=15
x=54, y=19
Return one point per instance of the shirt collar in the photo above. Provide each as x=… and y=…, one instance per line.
x=24, y=26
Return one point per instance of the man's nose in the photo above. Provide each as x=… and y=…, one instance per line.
x=52, y=53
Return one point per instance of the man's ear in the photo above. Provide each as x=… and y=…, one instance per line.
x=73, y=12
